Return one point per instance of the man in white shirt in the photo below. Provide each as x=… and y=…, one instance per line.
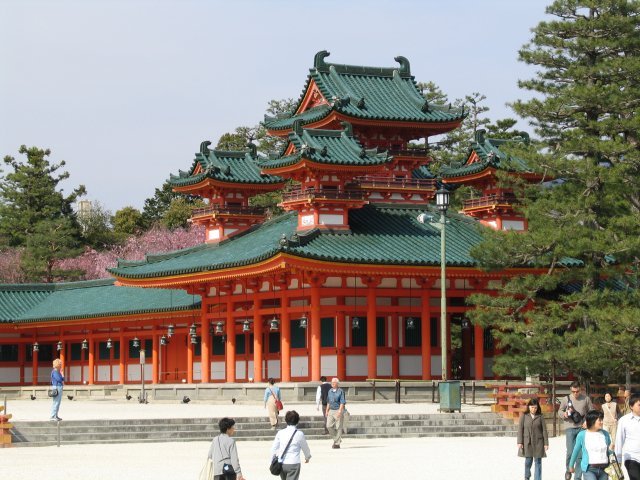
x=628, y=438
x=295, y=439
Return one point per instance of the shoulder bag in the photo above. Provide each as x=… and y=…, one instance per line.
x=207, y=471
x=52, y=392
x=279, y=405
x=227, y=469
x=276, y=465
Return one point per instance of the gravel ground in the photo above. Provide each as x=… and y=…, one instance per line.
x=465, y=458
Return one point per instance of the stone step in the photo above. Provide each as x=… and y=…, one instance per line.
x=255, y=428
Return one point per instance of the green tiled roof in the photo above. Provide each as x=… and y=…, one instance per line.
x=491, y=156
x=224, y=166
x=333, y=147
x=372, y=93
x=423, y=172
x=31, y=303
x=385, y=235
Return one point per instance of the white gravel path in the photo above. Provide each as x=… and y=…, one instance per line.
x=419, y=458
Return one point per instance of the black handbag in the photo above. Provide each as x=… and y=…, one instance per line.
x=52, y=392
x=276, y=465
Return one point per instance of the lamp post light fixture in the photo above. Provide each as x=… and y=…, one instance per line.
x=109, y=343
x=355, y=322
x=304, y=321
x=85, y=344
x=136, y=342
x=274, y=324
x=442, y=202
x=219, y=328
x=246, y=326
x=192, y=329
x=411, y=323
x=36, y=347
x=194, y=340
x=163, y=341
x=170, y=330
x=59, y=346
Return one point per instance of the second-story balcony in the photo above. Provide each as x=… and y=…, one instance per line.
x=384, y=182
x=227, y=210
x=321, y=194
x=409, y=152
x=489, y=201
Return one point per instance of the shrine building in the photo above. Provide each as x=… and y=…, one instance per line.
x=345, y=283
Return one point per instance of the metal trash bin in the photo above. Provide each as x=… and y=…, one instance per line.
x=450, y=396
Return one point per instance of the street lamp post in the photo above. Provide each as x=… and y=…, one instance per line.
x=442, y=202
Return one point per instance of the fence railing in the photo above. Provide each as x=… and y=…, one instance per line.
x=489, y=200
x=229, y=210
x=322, y=193
x=381, y=181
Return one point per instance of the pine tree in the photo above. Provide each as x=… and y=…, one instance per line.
x=29, y=194
x=584, y=228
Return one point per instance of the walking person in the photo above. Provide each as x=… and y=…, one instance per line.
x=572, y=411
x=627, y=443
x=533, y=441
x=610, y=410
x=291, y=458
x=57, y=383
x=271, y=400
x=593, y=443
x=336, y=403
x=223, y=452
x=321, y=399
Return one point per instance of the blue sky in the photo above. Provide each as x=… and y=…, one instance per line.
x=125, y=91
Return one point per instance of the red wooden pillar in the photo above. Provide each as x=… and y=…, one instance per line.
x=372, y=348
x=189, y=360
x=315, y=329
x=340, y=344
x=257, y=341
x=478, y=333
x=205, y=347
x=230, y=347
x=425, y=319
x=123, y=372
x=62, y=354
x=92, y=360
x=285, y=341
x=155, y=358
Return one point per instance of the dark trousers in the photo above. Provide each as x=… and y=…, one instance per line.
x=224, y=477
x=324, y=414
x=570, y=437
x=633, y=468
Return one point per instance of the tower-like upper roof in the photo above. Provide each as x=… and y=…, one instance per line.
x=367, y=93
x=224, y=166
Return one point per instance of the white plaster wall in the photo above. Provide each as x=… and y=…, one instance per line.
x=115, y=373
x=133, y=372
x=74, y=373
x=329, y=301
x=197, y=371
x=512, y=225
x=328, y=219
x=249, y=369
x=329, y=365
x=241, y=371
x=436, y=365
x=332, y=282
x=218, y=370
x=299, y=366
x=388, y=283
x=10, y=375
x=383, y=366
x=103, y=373
x=357, y=365
x=410, y=365
x=273, y=368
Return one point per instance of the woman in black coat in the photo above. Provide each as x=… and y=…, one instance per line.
x=533, y=442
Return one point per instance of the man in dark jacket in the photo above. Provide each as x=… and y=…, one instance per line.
x=321, y=398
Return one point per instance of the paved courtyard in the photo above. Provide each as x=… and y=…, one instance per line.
x=421, y=458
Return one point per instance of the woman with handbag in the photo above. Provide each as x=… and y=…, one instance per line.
x=57, y=384
x=272, y=402
x=533, y=441
x=287, y=446
x=225, y=464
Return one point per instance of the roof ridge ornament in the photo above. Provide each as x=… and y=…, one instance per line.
x=360, y=103
x=480, y=133
x=318, y=61
x=405, y=66
x=253, y=150
x=297, y=126
x=348, y=128
x=204, y=147
x=425, y=106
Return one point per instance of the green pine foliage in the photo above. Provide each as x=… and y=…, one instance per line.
x=580, y=312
